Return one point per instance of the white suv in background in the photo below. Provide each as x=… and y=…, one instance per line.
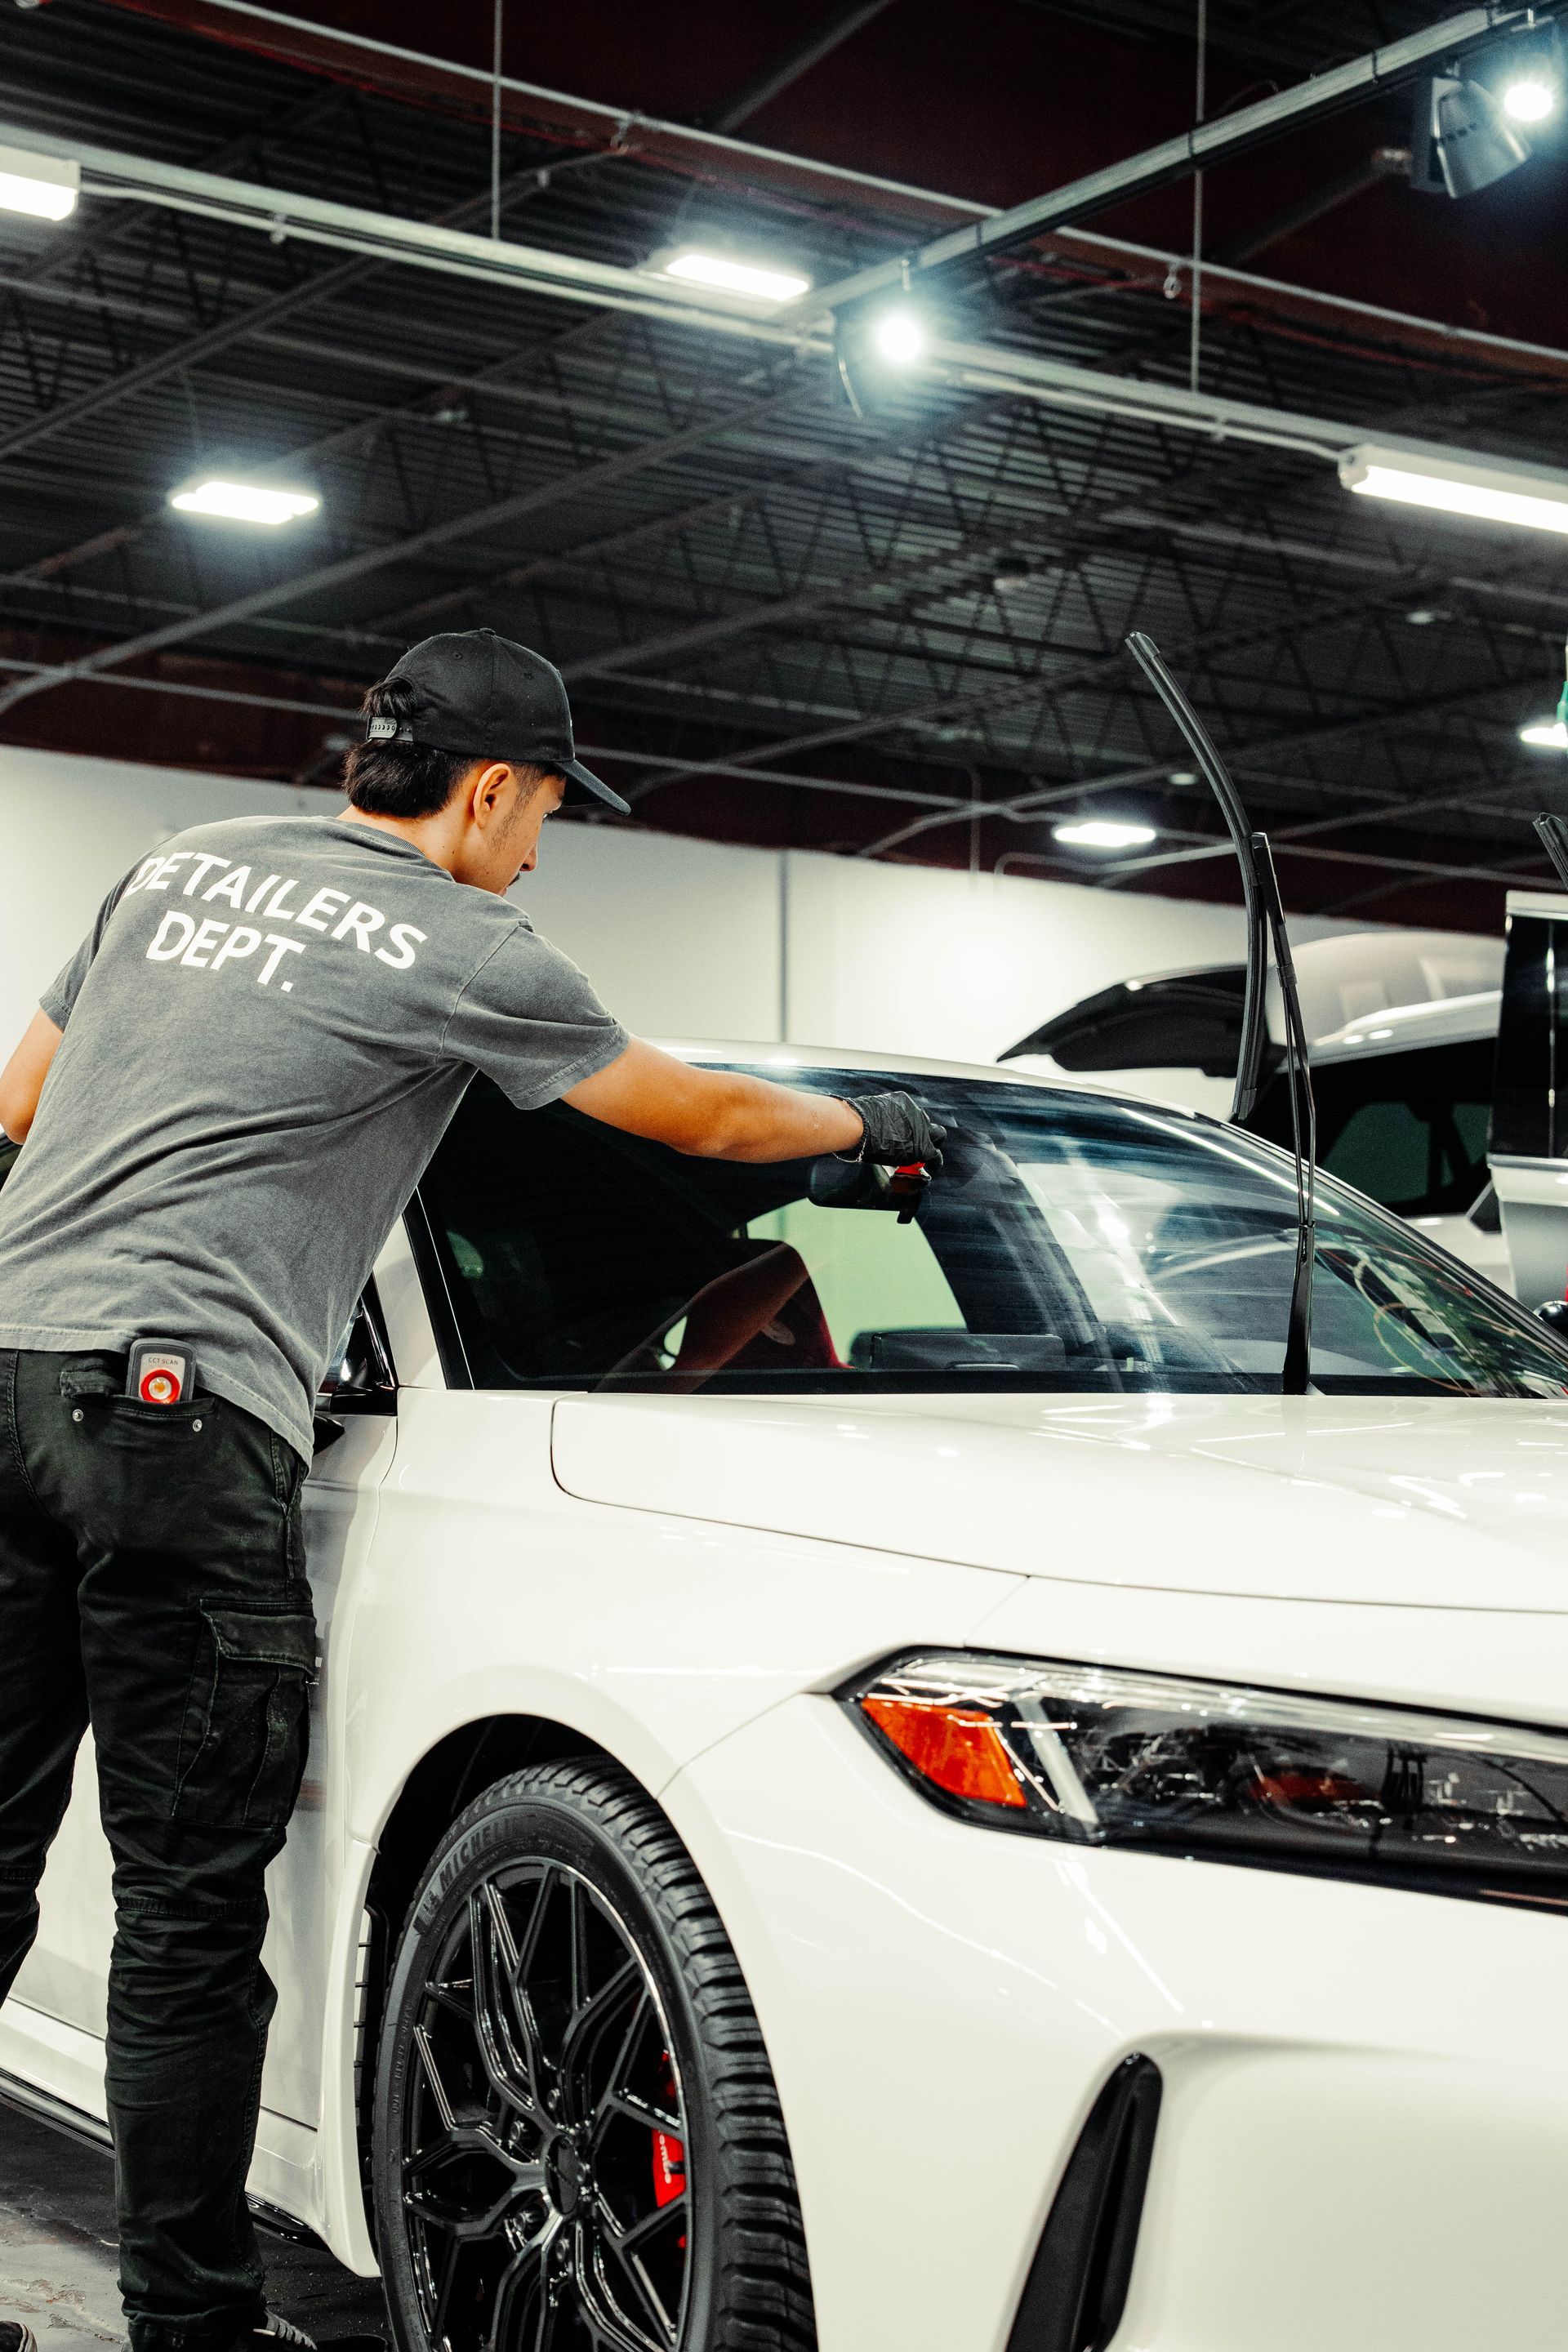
x=1402, y=1028
x=877, y=1786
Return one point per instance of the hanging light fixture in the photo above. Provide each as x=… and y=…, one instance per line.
x=1533, y=498
x=1103, y=833
x=45, y=187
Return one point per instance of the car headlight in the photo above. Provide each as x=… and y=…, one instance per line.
x=1100, y=1756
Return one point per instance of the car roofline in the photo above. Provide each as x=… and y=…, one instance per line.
x=778, y=1059
x=1440, y=1021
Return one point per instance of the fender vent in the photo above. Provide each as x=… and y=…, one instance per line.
x=1076, y=2288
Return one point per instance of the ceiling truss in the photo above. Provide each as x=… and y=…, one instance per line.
x=909, y=624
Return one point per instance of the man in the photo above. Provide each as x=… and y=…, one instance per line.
x=229, y=1094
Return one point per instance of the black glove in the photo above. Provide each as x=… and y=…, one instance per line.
x=898, y=1131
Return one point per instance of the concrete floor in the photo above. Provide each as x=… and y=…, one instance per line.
x=58, y=2251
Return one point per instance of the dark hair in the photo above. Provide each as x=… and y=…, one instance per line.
x=401, y=779
x=410, y=779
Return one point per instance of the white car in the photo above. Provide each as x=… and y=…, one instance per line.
x=876, y=1785
x=1403, y=1029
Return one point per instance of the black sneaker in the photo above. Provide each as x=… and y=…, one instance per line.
x=15, y=2336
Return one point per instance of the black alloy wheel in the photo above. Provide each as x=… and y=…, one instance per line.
x=578, y=2146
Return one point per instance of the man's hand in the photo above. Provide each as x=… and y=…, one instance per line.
x=715, y=1114
x=898, y=1132
x=22, y=1079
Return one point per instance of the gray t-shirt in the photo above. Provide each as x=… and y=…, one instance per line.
x=266, y=1033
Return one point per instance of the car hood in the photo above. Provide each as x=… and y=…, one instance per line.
x=1434, y=1502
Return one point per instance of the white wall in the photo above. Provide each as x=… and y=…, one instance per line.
x=682, y=938
x=69, y=828
x=963, y=965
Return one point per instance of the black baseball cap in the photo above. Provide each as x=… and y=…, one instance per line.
x=489, y=699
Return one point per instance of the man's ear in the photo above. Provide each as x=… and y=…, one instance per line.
x=487, y=788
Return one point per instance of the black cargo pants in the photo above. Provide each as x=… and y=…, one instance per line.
x=152, y=1581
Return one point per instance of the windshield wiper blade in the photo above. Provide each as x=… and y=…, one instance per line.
x=1554, y=841
x=1264, y=923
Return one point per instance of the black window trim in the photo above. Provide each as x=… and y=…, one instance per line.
x=379, y=1396
x=456, y=1369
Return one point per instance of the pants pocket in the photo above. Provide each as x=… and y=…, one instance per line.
x=246, y=1728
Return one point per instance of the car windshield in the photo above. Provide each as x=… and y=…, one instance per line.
x=1071, y=1242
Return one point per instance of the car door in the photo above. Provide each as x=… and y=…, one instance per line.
x=52, y=2028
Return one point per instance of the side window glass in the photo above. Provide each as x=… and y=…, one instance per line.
x=1384, y=1149
x=1407, y=1129
x=866, y=1274
x=1069, y=1244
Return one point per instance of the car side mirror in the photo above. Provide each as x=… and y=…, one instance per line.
x=1553, y=1313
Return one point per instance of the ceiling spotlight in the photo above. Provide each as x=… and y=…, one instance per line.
x=752, y=278
x=1422, y=617
x=1464, y=137
x=900, y=337
x=41, y=185
x=1182, y=776
x=1530, y=496
x=1102, y=833
x=1529, y=99
x=1011, y=578
x=1545, y=734
x=244, y=502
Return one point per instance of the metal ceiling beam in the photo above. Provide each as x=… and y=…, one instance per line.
x=967, y=366
x=1200, y=149
x=243, y=325
x=1239, y=757
x=962, y=811
x=492, y=516
x=1047, y=691
x=1382, y=164
x=586, y=554
x=279, y=213
x=829, y=33
x=1249, y=43
x=384, y=236
x=1295, y=837
x=992, y=696
x=418, y=77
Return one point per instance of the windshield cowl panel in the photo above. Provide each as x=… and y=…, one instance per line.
x=1072, y=1244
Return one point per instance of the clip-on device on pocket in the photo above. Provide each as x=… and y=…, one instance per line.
x=161, y=1371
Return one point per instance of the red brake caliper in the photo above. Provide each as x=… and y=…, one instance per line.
x=668, y=2156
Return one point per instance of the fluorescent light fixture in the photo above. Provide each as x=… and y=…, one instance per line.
x=1529, y=99
x=1529, y=496
x=1546, y=734
x=1103, y=833
x=244, y=502
x=732, y=277
x=41, y=185
x=900, y=337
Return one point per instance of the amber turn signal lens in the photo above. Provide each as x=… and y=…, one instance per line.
x=956, y=1748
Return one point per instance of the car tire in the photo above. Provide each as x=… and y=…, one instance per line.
x=578, y=2145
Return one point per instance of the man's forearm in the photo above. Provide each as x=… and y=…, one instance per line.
x=753, y=1119
x=728, y=1114
x=713, y=1114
